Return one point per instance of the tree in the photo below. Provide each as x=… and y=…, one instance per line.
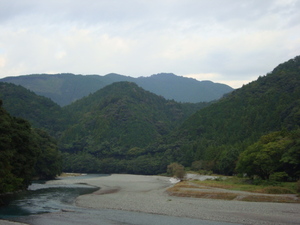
x=49, y=161
x=273, y=153
x=177, y=170
x=20, y=150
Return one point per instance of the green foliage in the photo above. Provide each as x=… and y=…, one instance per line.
x=270, y=157
x=279, y=176
x=17, y=153
x=220, y=132
x=176, y=169
x=41, y=112
x=119, y=122
x=48, y=164
x=20, y=151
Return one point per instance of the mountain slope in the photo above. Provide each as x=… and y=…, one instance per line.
x=61, y=88
x=218, y=133
x=183, y=89
x=125, y=115
x=25, y=153
x=66, y=88
x=41, y=112
x=109, y=130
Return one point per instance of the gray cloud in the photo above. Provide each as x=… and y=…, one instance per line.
x=225, y=41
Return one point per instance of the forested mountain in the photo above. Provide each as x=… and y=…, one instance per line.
x=117, y=123
x=183, y=89
x=66, y=88
x=25, y=153
x=123, y=128
x=40, y=111
x=105, y=131
x=216, y=135
x=61, y=88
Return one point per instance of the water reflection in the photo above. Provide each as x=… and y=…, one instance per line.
x=44, y=198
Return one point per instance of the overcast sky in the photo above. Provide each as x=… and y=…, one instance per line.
x=226, y=41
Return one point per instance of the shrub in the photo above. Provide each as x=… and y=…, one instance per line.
x=177, y=170
x=278, y=176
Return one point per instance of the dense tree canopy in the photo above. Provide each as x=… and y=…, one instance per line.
x=218, y=133
x=273, y=153
x=21, y=148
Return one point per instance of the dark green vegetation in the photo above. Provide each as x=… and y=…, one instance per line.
x=122, y=128
x=25, y=153
x=66, y=88
x=110, y=130
x=275, y=156
x=41, y=112
x=216, y=135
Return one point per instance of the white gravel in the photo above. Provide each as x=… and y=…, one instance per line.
x=148, y=194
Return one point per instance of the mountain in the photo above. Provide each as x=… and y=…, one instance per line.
x=117, y=123
x=183, y=89
x=122, y=128
x=66, y=88
x=61, y=88
x=40, y=111
x=217, y=134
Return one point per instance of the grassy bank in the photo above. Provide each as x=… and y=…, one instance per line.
x=240, y=184
x=233, y=188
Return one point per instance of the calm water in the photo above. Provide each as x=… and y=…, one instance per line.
x=44, y=198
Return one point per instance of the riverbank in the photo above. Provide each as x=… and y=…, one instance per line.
x=147, y=194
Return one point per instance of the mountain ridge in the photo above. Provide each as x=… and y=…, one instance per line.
x=66, y=88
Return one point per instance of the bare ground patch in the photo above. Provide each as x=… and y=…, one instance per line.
x=189, y=189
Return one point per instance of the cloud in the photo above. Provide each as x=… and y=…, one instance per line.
x=231, y=41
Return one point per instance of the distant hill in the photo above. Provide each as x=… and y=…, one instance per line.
x=66, y=88
x=183, y=89
x=217, y=134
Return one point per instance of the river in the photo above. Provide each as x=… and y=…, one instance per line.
x=44, y=198
x=44, y=204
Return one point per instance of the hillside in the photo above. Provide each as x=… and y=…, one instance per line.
x=40, y=111
x=123, y=128
x=183, y=89
x=66, y=88
x=118, y=122
x=107, y=131
x=25, y=153
x=217, y=134
x=61, y=88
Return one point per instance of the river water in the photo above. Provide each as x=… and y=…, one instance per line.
x=44, y=198
x=45, y=204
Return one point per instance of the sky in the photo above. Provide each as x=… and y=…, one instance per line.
x=225, y=41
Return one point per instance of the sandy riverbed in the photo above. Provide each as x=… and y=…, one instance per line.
x=148, y=194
